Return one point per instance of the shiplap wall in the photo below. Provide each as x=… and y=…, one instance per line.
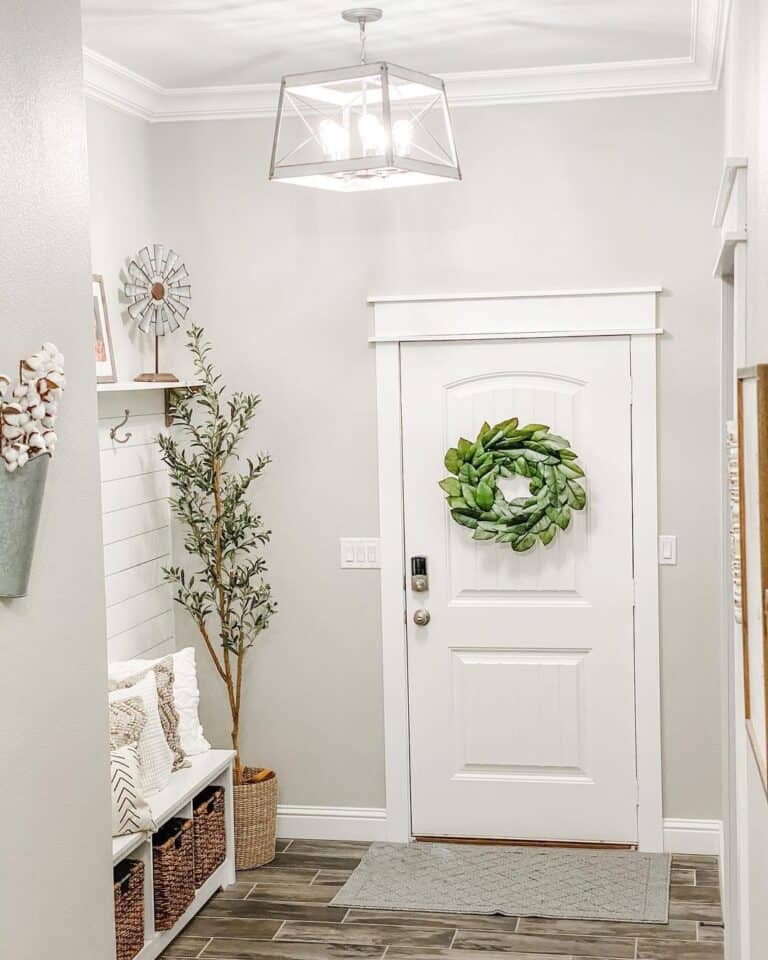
x=136, y=523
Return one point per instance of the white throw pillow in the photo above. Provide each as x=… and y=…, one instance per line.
x=130, y=811
x=186, y=695
x=155, y=756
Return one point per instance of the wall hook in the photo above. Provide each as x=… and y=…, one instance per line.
x=113, y=432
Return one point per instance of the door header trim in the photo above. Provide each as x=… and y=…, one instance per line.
x=509, y=316
x=510, y=295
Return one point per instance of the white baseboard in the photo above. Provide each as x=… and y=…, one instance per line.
x=331, y=823
x=693, y=836
x=370, y=823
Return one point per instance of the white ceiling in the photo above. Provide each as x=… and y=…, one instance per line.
x=200, y=43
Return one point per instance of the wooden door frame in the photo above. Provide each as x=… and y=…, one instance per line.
x=565, y=314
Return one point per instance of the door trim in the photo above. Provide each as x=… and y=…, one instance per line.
x=508, y=316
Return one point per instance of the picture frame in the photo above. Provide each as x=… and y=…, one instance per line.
x=104, y=356
x=752, y=427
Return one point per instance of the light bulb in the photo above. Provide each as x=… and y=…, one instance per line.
x=402, y=133
x=371, y=133
x=335, y=140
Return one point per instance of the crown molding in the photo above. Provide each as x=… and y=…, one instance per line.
x=116, y=85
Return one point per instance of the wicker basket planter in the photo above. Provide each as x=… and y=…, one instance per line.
x=129, y=908
x=255, y=820
x=208, y=817
x=173, y=871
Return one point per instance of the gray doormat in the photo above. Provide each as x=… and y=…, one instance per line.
x=620, y=885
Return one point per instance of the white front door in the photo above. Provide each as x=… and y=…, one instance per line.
x=521, y=686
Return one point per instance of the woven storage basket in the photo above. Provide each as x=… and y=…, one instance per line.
x=210, y=832
x=129, y=908
x=173, y=871
x=255, y=821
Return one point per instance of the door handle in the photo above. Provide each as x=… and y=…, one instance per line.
x=421, y=618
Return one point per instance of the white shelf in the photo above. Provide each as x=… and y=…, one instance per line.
x=154, y=947
x=185, y=784
x=215, y=766
x=126, y=386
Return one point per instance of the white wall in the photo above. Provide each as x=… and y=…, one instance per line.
x=604, y=193
x=55, y=863
x=746, y=134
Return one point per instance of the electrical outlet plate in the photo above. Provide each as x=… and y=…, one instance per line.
x=359, y=553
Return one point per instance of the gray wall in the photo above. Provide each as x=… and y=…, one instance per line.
x=55, y=865
x=603, y=193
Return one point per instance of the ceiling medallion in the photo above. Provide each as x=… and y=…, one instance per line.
x=364, y=127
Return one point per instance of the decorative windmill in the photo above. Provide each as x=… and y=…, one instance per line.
x=160, y=294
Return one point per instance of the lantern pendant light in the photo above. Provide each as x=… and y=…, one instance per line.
x=364, y=127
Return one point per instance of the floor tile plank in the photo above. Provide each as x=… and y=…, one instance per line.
x=316, y=861
x=332, y=876
x=330, y=848
x=418, y=918
x=294, y=892
x=683, y=875
x=669, y=950
x=371, y=934
x=283, y=874
x=288, y=950
x=681, y=893
x=695, y=911
x=619, y=948
x=265, y=909
x=674, y=930
x=711, y=932
x=184, y=946
x=247, y=928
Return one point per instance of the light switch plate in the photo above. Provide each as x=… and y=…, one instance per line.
x=359, y=553
x=667, y=550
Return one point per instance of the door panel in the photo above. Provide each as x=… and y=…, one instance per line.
x=521, y=687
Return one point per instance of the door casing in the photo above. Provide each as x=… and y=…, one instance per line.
x=507, y=316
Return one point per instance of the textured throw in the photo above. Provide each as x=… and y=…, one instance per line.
x=620, y=885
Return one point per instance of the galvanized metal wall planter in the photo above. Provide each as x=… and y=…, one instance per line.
x=21, y=499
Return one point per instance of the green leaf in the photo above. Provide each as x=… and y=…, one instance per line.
x=524, y=543
x=483, y=535
x=486, y=428
x=510, y=426
x=577, y=496
x=548, y=535
x=564, y=517
x=458, y=503
x=479, y=453
x=469, y=495
x=534, y=428
x=451, y=486
x=465, y=449
x=484, y=496
x=463, y=519
x=570, y=470
x=534, y=456
x=568, y=454
x=452, y=462
x=543, y=524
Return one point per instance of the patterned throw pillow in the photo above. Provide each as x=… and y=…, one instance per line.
x=130, y=811
x=126, y=722
x=169, y=716
x=155, y=756
x=186, y=695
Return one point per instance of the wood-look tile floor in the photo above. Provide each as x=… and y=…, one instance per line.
x=282, y=912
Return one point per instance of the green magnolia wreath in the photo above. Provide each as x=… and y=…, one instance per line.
x=506, y=450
